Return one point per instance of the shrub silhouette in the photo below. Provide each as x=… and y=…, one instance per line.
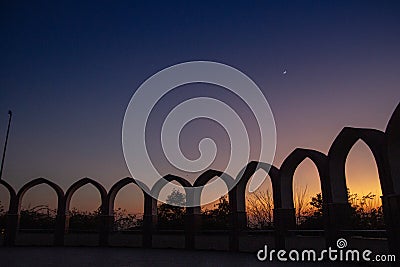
x=366, y=213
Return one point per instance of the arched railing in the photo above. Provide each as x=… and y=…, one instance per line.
x=385, y=147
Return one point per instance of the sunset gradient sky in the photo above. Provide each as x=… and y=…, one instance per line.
x=68, y=71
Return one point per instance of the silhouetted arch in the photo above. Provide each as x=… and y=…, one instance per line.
x=289, y=166
x=12, y=215
x=78, y=184
x=338, y=152
x=13, y=203
x=240, y=189
x=393, y=140
x=189, y=218
x=200, y=182
x=247, y=172
x=38, y=181
x=391, y=203
x=117, y=187
x=205, y=177
x=159, y=185
x=60, y=219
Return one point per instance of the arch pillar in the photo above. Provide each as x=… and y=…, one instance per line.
x=234, y=223
x=192, y=220
x=391, y=202
x=284, y=220
x=106, y=223
x=12, y=220
x=190, y=228
x=196, y=220
x=12, y=216
x=194, y=213
x=391, y=212
x=238, y=217
x=60, y=224
x=105, y=227
x=149, y=220
x=338, y=215
x=239, y=211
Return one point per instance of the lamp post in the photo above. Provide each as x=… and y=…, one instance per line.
x=5, y=144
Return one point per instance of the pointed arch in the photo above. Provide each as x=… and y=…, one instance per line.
x=391, y=203
x=112, y=193
x=247, y=172
x=12, y=215
x=289, y=166
x=60, y=218
x=338, y=152
x=205, y=177
x=80, y=183
x=189, y=218
x=280, y=217
x=149, y=205
x=103, y=223
x=393, y=140
x=12, y=205
x=163, y=181
x=38, y=181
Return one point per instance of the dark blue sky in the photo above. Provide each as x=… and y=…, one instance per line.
x=68, y=70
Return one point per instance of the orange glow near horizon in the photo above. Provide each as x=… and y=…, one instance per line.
x=361, y=172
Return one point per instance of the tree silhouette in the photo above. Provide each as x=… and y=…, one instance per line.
x=171, y=213
x=366, y=212
x=84, y=220
x=125, y=221
x=313, y=219
x=38, y=217
x=217, y=218
x=259, y=208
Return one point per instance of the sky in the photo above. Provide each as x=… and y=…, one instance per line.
x=68, y=71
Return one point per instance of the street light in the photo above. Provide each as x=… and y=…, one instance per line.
x=5, y=144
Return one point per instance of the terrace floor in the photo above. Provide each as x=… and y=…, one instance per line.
x=124, y=257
